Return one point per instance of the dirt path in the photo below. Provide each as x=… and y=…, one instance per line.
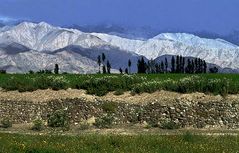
x=123, y=130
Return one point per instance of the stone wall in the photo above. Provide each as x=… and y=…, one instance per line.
x=222, y=113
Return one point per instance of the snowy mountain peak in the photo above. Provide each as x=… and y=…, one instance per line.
x=44, y=24
x=40, y=43
x=26, y=25
x=193, y=40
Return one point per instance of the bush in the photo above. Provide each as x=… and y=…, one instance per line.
x=119, y=92
x=135, y=116
x=109, y=107
x=58, y=119
x=38, y=125
x=53, y=82
x=152, y=122
x=3, y=71
x=6, y=123
x=103, y=85
x=189, y=137
x=170, y=125
x=84, y=125
x=104, y=122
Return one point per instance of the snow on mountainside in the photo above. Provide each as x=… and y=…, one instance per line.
x=30, y=46
x=44, y=37
x=32, y=60
x=215, y=51
x=193, y=40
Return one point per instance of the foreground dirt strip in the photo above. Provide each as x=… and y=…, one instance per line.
x=123, y=131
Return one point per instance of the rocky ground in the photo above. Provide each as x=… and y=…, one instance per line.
x=214, y=110
x=160, y=96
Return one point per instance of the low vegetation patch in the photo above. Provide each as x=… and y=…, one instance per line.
x=6, y=123
x=88, y=143
x=84, y=125
x=109, y=107
x=105, y=121
x=58, y=119
x=101, y=84
x=38, y=125
x=169, y=125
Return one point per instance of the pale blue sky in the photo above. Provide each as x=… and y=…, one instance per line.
x=211, y=15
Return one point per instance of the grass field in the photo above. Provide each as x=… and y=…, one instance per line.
x=101, y=84
x=93, y=143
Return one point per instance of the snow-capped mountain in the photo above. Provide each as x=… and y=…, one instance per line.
x=217, y=51
x=140, y=33
x=30, y=46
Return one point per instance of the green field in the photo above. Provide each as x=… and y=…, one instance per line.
x=90, y=143
x=100, y=84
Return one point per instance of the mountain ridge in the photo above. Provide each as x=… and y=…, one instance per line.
x=47, y=43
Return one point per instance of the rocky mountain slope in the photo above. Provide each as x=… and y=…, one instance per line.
x=30, y=46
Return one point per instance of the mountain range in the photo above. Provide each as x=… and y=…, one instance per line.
x=34, y=46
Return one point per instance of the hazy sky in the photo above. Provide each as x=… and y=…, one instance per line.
x=198, y=15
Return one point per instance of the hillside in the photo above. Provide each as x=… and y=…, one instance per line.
x=30, y=46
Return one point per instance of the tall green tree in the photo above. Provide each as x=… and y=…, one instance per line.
x=183, y=65
x=166, y=64
x=196, y=65
x=129, y=65
x=121, y=71
x=126, y=71
x=173, y=65
x=103, y=57
x=56, y=69
x=177, y=64
x=162, y=67
x=151, y=66
x=108, y=67
x=204, y=67
x=193, y=67
x=99, y=62
x=104, y=69
x=180, y=64
x=188, y=67
x=142, y=66
x=157, y=68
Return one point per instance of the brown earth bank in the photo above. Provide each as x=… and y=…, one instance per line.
x=194, y=111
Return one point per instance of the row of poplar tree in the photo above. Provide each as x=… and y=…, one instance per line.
x=178, y=65
x=106, y=68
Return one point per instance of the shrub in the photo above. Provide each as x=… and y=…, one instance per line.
x=135, y=116
x=3, y=71
x=188, y=137
x=58, y=82
x=98, y=91
x=109, y=107
x=189, y=84
x=170, y=125
x=84, y=125
x=104, y=122
x=103, y=85
x=38, y=125
x=58, y=119
x=6, y=123
x=153, y=123
x=53, y=82
x=119, y=92
x=15, y=83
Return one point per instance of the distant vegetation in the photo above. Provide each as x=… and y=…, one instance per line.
x=183, y=76
x=101, y=84
x=178, y=64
